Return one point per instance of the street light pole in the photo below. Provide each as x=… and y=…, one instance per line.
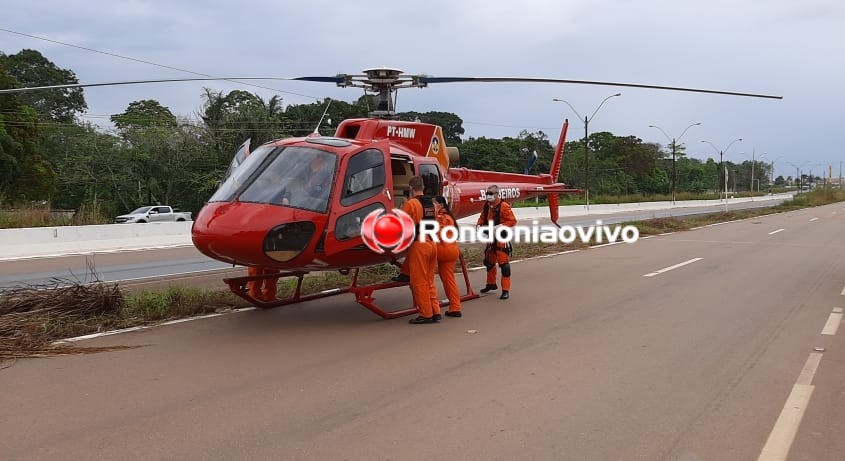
x=752, y=172
x=721, y=164
x=674, y=142
x=587, y=121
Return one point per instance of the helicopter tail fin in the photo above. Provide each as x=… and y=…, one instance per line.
x=554, y=202
x=554, y=199
x=558, y=158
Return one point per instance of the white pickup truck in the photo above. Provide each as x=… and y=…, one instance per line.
x=157, y=213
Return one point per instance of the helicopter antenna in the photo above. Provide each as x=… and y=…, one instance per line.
x=317, y=128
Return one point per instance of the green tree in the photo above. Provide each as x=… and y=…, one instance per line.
x=31, y=68
x=237, y=116
x=452, y=124
x=24, y=173
x=146, y=113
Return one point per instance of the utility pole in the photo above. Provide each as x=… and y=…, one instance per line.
x=753, y=152
x=586, y=163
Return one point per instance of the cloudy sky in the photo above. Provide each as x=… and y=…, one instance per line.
x=794, y=49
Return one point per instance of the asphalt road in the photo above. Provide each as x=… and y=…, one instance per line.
x=136, y=266
x=698, y=345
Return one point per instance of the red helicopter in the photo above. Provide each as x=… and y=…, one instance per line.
x=296, y=205
x=266, y=214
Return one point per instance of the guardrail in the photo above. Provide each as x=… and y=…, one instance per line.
x=62, y=240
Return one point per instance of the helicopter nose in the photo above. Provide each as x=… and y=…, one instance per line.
x=252, y=234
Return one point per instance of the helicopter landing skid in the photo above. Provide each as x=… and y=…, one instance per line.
x=363, y=293
x=240, y=287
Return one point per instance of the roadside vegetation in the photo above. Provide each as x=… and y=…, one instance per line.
x=36, y=215
x=34, y=319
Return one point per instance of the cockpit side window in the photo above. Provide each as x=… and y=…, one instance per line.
x=365, y=176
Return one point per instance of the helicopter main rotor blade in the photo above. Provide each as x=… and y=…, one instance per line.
x=136, y=82
x=335, y=79
x=422, y=81
x=425, y=79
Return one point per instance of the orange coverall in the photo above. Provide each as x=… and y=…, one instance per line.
x=495, y=253
x=421, y=262
x=447, y=257
x=265, y=289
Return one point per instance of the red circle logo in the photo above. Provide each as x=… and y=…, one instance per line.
x=382, y=231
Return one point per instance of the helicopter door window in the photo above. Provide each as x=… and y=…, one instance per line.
x=431, y=179
x=364, y=176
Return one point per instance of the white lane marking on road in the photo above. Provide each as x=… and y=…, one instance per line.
x=783, y=433
x=837, y=309
x=814, y=219
x=809, y=370
x=696, y=228
x=843, y=291
x=776, y=231
x=727, y=222
x=665, y=269
x=146, y=327
x=96, y=252
x=832, y=324
x=606, y=244
x=666, y=233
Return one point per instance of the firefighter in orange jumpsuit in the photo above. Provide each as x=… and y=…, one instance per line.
x=501, y=214
x=421, y=259
x=263, y=289
x=447, y=257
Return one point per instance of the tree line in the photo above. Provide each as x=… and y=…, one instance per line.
x=50, y=154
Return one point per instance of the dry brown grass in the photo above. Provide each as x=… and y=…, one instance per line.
x=33, y=318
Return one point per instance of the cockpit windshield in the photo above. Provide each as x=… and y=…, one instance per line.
x=299, y=177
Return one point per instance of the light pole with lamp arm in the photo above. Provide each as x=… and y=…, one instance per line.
x=586, y=137
x=753, y=160
x=772, y=173
x=674, y=142
x=721, y=164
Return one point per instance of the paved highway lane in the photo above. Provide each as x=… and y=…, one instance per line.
x=126, y=265
x=591, y=358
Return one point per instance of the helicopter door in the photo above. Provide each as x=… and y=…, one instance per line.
x=364, y=185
